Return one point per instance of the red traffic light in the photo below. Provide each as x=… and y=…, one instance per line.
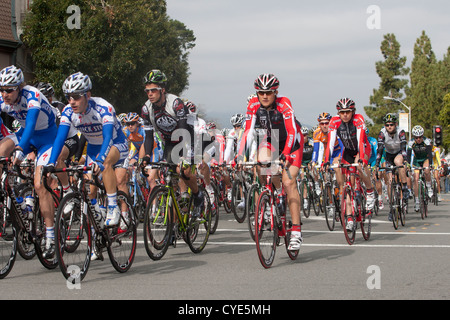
x=438, y=129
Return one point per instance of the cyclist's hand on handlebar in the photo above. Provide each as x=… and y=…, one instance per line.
x=97, y=167
x=17, y=156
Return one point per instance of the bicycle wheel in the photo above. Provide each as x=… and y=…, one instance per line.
x=122, y=247
x=395, y=204
x=8, y=241
x=347, y=202
x=226, y=201
x=266, y=233
x=366, y=220
x=422, y=200
x=404, y=211
x=250, y=207
x=157, y=224
x=39, y=228
x=73, y=238
x=237, y=196
x=304, y=186
x=198, y=229
x=330, y=211
x=214, y=208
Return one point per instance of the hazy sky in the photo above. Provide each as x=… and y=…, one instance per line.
x=320, y=50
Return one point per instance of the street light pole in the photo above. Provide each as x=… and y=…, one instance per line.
x=409, y=113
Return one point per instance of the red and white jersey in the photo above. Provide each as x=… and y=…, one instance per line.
x=279, y=122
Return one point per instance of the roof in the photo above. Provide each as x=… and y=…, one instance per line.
x=5, y=21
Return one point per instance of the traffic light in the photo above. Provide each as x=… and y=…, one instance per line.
x=437, y=135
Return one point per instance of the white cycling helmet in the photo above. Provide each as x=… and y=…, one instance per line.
x=417, y=131
x=16, y=125
x=237, y=119
x=77, y=83
x=11, y=76
x=304, y=130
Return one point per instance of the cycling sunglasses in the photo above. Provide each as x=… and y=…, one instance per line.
x=8, y=90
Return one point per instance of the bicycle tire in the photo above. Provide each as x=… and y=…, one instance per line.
x=73, y=238
x=250, y=207
x=330, y=218
x=8, y=241
x=303, y=185
x=422, y=199
x=157, y=223
x=123, y=237
x=403, y=211
x=214, y=208
x=349, y=234
x=226, y=202
x=395, y=205
x=366, y=220
x=266, y=233
x=235, y=196
x=198, y=230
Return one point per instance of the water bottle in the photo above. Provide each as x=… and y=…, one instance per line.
x=97, y=211
x=22, y=204
x=29, y=200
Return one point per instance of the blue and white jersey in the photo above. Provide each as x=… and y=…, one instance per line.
x=31, y=98
x=98, y=113
x=98, y=124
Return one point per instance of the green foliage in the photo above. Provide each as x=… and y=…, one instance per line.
x=390, y=71
x=118, y=42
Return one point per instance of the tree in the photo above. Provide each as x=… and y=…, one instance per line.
x=424, y=104
x=390, y=71
x=117, y=43
x=444, y=117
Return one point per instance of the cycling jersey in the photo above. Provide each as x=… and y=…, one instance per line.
x=320, y=140
x=373, y=151
x=308, y=149
x=99, y=125
x=172, y=115
x=352, y=135
x=33, y=108
x=393, y=143
x=135, y=138
x=436, y=157
x=281, y=128
x=419, y=152
x=231, y=144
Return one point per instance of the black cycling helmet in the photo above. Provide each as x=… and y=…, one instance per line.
x=390, y=117
x=155, y=76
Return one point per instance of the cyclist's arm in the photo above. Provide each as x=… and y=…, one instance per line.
x=81, y=145
x=403, y=143
x=108, y=129
x=61, y=136
x=332, y=136
x=380, y=147
x=248, y=135
x=30, y=123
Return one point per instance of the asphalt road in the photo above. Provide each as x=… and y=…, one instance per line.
x=409, y=263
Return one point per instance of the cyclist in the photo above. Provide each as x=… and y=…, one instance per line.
x=283, y=140
x=167, y=113
x=70, y=147
x=420, y=155
x=394, y=141
x=436, y=169
x=107, y=147
x=135, y=135
x=350, y=128
x=37, y=119
x=308, y=149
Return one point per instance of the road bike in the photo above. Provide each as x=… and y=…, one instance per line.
x=80, y=229
x=331, y=198
x=169, y=216
x=422, y=192
x=270, y=222
x=17, y=221
x=398, y=204
x=353, y=200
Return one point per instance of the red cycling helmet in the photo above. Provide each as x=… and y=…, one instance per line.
x=345, y=104
x=266, y=82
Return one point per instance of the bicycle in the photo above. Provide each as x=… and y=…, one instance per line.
x=422, y=190
x=80, y=230
x=270, y=223
x=307, y=183
x=138, y=189
x=331, y=199
x=16, y=221
x=240, y=187
x=168, y=216
x=353, y=199
x=398, y=205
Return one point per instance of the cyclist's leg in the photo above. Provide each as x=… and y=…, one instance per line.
x=398, y=160
x=427, y=173
x=293, y=199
